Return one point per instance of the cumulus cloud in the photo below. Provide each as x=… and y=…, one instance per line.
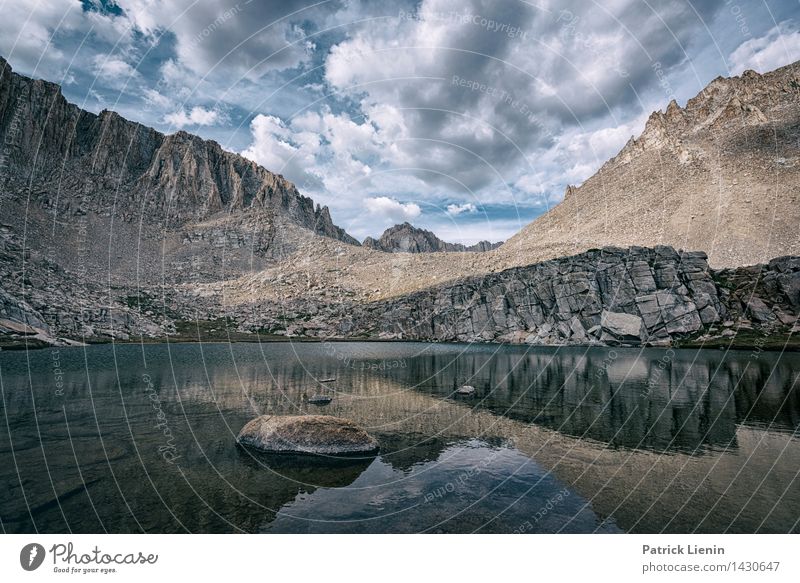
x=476, y=102
x=392, y=209
x=317, y=150
x=502, y=102
x=234, y=37
x=197, y=116
x=114, y=71
x=277, y=148
x=457, y=209
x=780, y=46
x=29, y=31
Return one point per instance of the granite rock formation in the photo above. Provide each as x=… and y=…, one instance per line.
x=612, y=296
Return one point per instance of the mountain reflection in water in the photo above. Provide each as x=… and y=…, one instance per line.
x=141, y=439
x=662, y=400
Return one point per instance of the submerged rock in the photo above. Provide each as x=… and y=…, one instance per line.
x=320, y=399
x=306, y=434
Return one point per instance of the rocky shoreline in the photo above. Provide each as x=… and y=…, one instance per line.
x=611, y=296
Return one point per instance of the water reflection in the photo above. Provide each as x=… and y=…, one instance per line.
x=684, y=400
x=472, y=486
x=85, y=448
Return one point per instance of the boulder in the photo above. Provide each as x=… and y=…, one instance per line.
x=577, y=329
x=306, y=434
x=465, y=390
x=15, y=327
x=622, y=326
x=759, y=311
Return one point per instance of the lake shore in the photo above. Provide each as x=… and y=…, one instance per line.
x=745, y=340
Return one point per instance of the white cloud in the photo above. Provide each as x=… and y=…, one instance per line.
x=279, y=149
x=114, y=70
x=156, y=99
x=476, y=105
x=239, y=38
x=392, y=209
x=329, y=154
x=457, y=209
x=575, y=155
x=197, y=116
x=779, y=47
x=26, y=32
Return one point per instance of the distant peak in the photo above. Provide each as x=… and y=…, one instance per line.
x=406, y=238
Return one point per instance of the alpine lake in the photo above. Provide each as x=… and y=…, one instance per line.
x=132, y=438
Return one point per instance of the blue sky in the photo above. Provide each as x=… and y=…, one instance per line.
x=465, y=117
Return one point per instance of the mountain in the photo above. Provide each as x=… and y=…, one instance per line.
x=407, y=238
x=96, y=210
x=73, y=161
x=719, y=175
x=111, y=230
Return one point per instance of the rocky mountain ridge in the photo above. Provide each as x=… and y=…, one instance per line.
x=74, y=161
x=719, y=175
x=406, y=238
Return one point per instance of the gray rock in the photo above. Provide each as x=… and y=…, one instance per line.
x=306, y=434
x=622, y=326
x=709, y=315
x=578, y=331
x=465, y=390
x=759, y=311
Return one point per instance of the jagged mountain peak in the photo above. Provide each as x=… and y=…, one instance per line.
x=719, y=174
x=406, y=238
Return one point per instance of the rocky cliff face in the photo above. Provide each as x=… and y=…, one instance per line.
x=612, y=295
x=635, y=297
x=407, y=238
x=96, y=208
x=75, y=162
x=719, y=175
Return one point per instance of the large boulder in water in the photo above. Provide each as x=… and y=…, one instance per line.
x=306, y=434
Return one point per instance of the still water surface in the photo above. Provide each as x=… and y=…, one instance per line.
x=141, y=439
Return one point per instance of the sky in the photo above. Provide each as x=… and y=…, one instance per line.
x=465, y=117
